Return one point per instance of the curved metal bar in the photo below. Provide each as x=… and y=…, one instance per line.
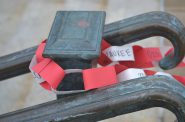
x=99, y=104
x=117, y=33
x=148, y=25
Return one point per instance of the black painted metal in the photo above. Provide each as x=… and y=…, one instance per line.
x=122, y=98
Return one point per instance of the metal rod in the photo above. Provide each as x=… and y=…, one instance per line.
x=117, y=33
x=148, y=25
x=99, y=104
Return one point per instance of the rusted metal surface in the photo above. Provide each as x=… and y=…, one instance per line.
x=99, y=104
x=117, y=33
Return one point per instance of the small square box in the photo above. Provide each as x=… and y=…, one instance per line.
x=75, y=34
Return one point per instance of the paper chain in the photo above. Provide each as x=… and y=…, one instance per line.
x=130, y=61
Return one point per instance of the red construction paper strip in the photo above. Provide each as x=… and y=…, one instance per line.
x=41, y=65
x=141, y=59
x=99, y=77
x=103, y=60
x=46, y=68
x=104, y=45
x=46, y=85
x=149, y=72
x=180, y=79
x=153, y=53
x=53, y=74
x=49, y=71
x=40, y=51
x=119, y=68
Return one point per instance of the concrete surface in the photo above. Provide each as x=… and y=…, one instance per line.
x=25, y=23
